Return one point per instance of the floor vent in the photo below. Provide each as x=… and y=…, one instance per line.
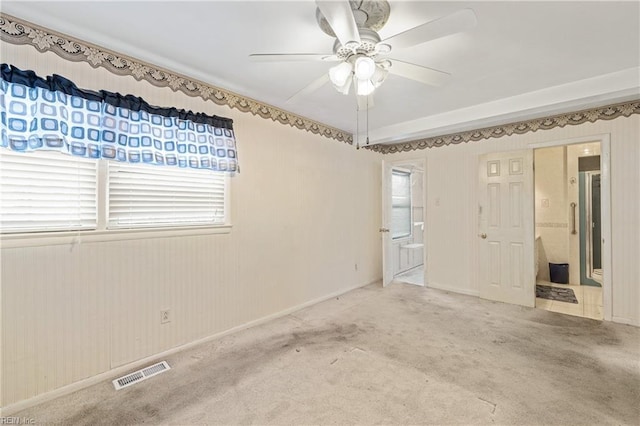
x=140, y=375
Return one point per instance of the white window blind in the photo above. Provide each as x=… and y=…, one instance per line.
x=153, y=196
x=46, y=191
x=401, y=204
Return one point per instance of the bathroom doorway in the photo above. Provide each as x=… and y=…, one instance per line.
x=406, y=227
x=568, y=229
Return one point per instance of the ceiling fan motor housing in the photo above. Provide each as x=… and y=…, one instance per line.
x=368, y=41
x=371, y=14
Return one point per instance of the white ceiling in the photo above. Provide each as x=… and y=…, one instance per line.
x=523, y=60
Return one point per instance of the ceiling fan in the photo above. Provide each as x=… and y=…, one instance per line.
x=362, y=55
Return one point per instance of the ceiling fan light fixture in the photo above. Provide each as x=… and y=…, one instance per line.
x=339, y=75
x=352, y=45
x=364, y=67
x=344, y=89
x=379, y=76
x=364, y=88
x=386, y=64
x=383, y=48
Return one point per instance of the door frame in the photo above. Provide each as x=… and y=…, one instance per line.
x=386, y=207
x=605, y=176
x=585, y=232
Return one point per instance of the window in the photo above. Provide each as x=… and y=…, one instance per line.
x=79, y=160
x=47, y=191
x=143, y=195
x=51, y=191
x=400, y=204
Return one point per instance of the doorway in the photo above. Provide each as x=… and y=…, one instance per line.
x=404, y=254
x=568, y=229
x=510, y=259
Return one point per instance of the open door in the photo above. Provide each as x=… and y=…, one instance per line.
x=387, y=260
x=506, y=233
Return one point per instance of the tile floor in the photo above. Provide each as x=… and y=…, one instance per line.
x=589, y=301
x=414, y=276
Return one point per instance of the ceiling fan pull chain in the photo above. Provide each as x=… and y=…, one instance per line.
x=367, y=120
x=357, y=127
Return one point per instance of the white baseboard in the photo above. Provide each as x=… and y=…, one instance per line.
x=467, y=291
x=627, y=321
x=123, y=369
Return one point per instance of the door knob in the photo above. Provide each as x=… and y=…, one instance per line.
x=483, y=236
x=384, y=229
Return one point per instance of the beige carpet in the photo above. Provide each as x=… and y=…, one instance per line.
x=400, y=355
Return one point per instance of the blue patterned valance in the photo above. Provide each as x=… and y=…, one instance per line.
x=54, y=114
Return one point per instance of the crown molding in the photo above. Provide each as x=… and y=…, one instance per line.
x=608, y=112
x=17, y=31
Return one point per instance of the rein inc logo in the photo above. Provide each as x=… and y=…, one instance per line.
x=17, y=421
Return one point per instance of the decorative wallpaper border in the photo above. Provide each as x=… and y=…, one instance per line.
x=16, y=31
x=608, y=112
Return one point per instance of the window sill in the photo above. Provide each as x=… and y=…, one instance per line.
x=79, y=237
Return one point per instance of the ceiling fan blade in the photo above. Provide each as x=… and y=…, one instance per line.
x=461, y=20
x=340, y=18
x=292, y=57
x=312, y=87
x=418, y=73
x=365, y=102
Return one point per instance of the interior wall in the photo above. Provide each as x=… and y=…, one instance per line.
x=305, y=212
x=452, y=206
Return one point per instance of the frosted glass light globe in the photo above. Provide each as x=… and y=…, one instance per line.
x=340, y=74
x=364, y=67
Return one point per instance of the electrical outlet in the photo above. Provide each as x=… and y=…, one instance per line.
x=165, y=316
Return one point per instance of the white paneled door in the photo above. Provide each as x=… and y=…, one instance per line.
x=506, y=258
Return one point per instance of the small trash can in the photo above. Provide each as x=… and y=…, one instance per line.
x=559, y=273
